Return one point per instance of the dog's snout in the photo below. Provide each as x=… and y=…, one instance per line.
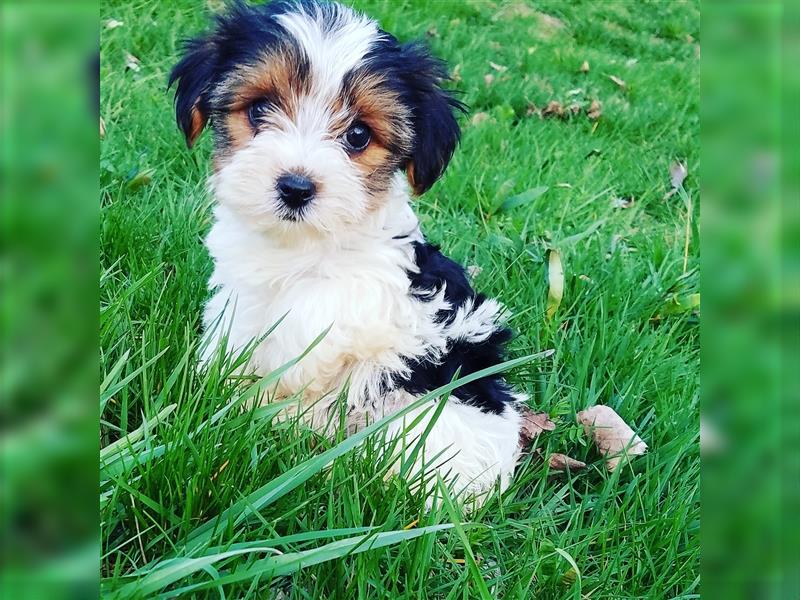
x=294, y=189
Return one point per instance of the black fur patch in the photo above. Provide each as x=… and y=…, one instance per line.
x=417, y=76
x=490, y=394
x=240, y=36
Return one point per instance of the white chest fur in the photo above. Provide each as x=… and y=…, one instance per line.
x=356, y=287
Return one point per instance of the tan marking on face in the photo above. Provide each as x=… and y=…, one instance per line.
x=277, y=76
x=368, y=99
x=198, y=123
x=371, y=101
x=240, y=131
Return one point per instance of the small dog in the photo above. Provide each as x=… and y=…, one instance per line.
x=323, y=127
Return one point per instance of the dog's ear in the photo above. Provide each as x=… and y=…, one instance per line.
x=194, y=74
x=436, y=131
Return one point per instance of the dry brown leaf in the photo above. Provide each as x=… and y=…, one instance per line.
x=562, y=462
x=595, y=110
x=555, y=278
x=584, y=67
x=488, y=79
x=102, y=127
x=131, y=62
x=613, y=437
x=532, y=425
x=554, y=108
x=498, y=68
x=618, y=81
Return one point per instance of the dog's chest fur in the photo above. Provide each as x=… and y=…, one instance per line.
x=359, y=289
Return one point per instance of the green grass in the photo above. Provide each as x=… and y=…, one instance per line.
x=290, y=498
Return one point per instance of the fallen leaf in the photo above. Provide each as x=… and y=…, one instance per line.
x=562, y=462
x=584, y=67
x=131, y=62
x=677, y=175
x=586, y=278
x=488, y=79
x=432, y=32
x=553, y=108
x=456, y=74
x=523, y=198
x=113, y=24
x=473, y=271
x=498, y=68
x=622, y=202
x=555, y=278
x=618, y=81
x=479, y=118
x=532, y=425
x=102, y=127
x=613, y=437
x=595, y=110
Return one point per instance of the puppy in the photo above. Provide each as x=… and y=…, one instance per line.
x=324, y=125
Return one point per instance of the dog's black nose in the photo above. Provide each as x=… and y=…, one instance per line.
x=295, y=190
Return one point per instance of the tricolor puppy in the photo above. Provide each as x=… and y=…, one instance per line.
x=324, y=126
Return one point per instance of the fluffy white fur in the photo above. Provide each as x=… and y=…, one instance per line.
x=345, y=266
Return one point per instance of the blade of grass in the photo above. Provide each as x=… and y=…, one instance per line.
x=296, y=476
x=470, y=557
x=276, y=566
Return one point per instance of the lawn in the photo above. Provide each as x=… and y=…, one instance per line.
x=592, y=187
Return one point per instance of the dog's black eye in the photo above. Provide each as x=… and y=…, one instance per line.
x=258, y=110
x=357, y=137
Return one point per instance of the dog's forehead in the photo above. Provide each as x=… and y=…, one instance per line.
x=335, y=41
